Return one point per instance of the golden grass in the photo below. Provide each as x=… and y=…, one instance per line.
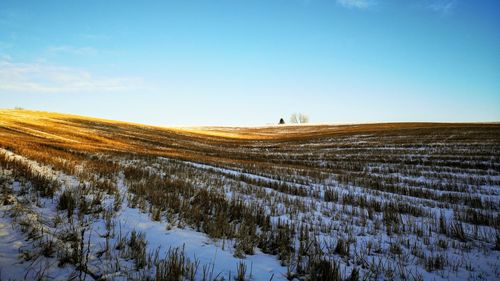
x=35, y=130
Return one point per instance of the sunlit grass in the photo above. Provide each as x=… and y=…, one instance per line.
x=392, y=180
x=36, y=131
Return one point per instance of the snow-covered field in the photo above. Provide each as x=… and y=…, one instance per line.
x=405, y=202
x=220, y=262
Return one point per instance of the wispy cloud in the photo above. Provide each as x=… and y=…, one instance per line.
x=41, y=77
x=67, y=49
x=359, y=4
x=443, y=7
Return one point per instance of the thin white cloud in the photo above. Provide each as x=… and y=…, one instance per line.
x=40, y=77
x=359, y=4
x=443, y=7
x=5, y=57
x=67, y=49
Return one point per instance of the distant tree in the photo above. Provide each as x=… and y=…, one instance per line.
x=282, y=121
x=299, y=118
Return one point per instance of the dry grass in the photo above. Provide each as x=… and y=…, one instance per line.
x=35, y=129
x=319, y=197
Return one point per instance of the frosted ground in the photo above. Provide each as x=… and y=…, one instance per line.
x=371, y=202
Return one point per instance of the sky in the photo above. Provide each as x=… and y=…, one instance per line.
x=252, y=62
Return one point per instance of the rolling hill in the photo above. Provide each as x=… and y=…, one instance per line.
x=95, y=199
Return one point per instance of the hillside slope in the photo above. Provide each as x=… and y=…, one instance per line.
x=106, y=200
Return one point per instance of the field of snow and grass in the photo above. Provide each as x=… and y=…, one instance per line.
x=90, y=199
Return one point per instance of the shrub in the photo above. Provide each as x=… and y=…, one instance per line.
x=342, y=248
x=324, y=270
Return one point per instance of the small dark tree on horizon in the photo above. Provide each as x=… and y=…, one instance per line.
x=282, y=122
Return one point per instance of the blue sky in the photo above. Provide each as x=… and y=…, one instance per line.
x=242, y=62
